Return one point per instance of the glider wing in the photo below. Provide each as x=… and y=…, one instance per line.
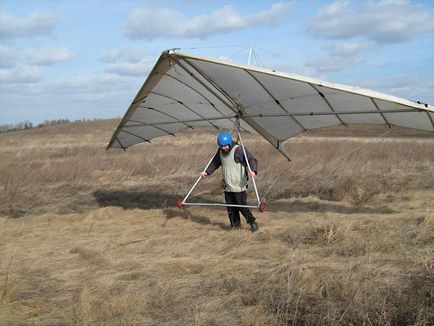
x=184, y=91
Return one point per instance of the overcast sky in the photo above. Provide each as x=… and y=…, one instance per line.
x=88, y=58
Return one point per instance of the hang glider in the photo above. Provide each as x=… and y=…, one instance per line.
x=184, y=91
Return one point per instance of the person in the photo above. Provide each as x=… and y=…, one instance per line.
x=230, y=157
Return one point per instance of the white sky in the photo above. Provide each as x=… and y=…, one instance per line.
x=88, y=58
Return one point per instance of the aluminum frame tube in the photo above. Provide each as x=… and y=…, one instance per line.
x=184, y=201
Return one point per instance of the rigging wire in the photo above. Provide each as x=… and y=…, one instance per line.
x=244, y=48
x=278, y=54
x=257, y=61
x=239, y=52
x=255, y=57
x=213, y=47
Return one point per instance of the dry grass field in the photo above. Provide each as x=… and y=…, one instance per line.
x=94, y=237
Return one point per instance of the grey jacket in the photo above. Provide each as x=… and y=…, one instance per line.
x=238, y=157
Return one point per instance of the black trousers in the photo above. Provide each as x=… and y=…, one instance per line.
x=238, y=198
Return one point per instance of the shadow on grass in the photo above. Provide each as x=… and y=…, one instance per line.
x=168, y=203
x=152, y=200
x=188, y=215
x=135, y=199
x=304, y=206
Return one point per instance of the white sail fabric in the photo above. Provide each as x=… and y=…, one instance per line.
x=184, y=91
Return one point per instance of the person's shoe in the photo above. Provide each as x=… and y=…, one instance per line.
x=254, y=226
x=236, y=227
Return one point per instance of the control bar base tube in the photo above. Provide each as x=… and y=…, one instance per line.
x=218, y=204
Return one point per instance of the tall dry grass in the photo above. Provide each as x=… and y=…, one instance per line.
x=65, y=168
x=90, y=237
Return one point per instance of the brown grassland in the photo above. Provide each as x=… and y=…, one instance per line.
x=94, y=237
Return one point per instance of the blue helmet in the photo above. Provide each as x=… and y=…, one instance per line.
x=224, y=138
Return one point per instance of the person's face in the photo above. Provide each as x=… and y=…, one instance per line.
x=225, y=148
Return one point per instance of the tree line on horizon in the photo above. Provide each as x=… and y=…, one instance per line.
x=24, y=125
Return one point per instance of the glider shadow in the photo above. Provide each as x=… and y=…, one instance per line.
x=151, y=200
x=187, y=215
x=135, y=199
x=302, y=206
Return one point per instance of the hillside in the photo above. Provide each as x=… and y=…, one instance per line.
x=94, y=237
